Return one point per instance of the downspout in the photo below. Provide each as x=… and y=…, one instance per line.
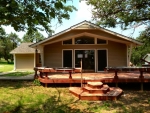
x=130, y=52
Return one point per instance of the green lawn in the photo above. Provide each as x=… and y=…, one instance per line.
x=4, y=67
x=26, y=97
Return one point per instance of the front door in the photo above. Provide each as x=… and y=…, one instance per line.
x=88, y=60
x=102, y=59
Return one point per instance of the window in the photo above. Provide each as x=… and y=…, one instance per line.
x=67, y=41
x=100, y=41
x=84, y=40
x=67, y=58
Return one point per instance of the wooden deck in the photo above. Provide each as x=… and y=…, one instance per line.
x=105, y=77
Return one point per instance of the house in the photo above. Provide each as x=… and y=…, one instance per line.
x=95, y=46
x=24, y=57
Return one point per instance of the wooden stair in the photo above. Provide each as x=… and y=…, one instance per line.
x=95, y=91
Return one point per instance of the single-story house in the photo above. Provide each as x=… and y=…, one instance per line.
x=24, y=57
x=95, y=46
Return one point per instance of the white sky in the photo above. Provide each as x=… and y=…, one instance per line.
x=82, y=14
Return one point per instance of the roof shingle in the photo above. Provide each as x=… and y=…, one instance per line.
x=23, y=49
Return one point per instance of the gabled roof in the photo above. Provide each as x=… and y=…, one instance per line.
x=93, y=26
x=23, y=49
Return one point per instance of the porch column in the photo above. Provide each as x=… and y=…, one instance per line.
x=35, y=57
x=130, y=52
x=42, y=55
x=14, y=61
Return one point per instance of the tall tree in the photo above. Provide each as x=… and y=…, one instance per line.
x=14, y=39
x=141, y=51
x=7, y=43
x=33, y=36
x=2, y=38
x=126, y=13
x=33, y=14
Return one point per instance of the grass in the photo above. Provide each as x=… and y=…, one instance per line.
x=18, y=74
x=4, y=67
x=28, y=97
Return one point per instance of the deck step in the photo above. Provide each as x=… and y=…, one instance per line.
x=95, y=84
x=84, y=94
x=104, y=89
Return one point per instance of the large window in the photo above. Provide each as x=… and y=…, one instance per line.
x=84, y=40
x=65, y=42
x=101, y=41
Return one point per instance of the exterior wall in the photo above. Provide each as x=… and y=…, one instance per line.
x=117, y=53
x=24, y=61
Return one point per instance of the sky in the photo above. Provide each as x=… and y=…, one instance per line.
x=83, y=13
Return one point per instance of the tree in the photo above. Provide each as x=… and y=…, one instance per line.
x=141, y=51
x=7, y=43
x=34, y=36
x=33, y=14
x=2, y=37
x=14, y=39
x=126, y=13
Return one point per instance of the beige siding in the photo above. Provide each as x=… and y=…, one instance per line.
x=24, y=61
x=117, y=55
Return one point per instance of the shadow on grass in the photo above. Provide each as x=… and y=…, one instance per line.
x=56, y=103
x=18, y=74
x=53, y=104
x=15, y=84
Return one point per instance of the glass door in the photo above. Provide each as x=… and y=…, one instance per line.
x=88, y=60
x=67, y=58
x=102, y=60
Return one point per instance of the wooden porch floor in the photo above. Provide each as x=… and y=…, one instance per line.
x=105, y=77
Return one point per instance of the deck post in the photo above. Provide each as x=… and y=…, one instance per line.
x=35, y=74
x=141, y=77
x=81, y=75
x=116, y=77
x=46, y=85
x=142, y=86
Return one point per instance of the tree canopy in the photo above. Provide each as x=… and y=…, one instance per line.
x=126, y=13
x=140, y=51
x=33, y=14
x=7, y=43
x=34, y=36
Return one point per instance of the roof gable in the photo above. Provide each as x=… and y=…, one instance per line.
x=84, y=25
x=87, y=25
